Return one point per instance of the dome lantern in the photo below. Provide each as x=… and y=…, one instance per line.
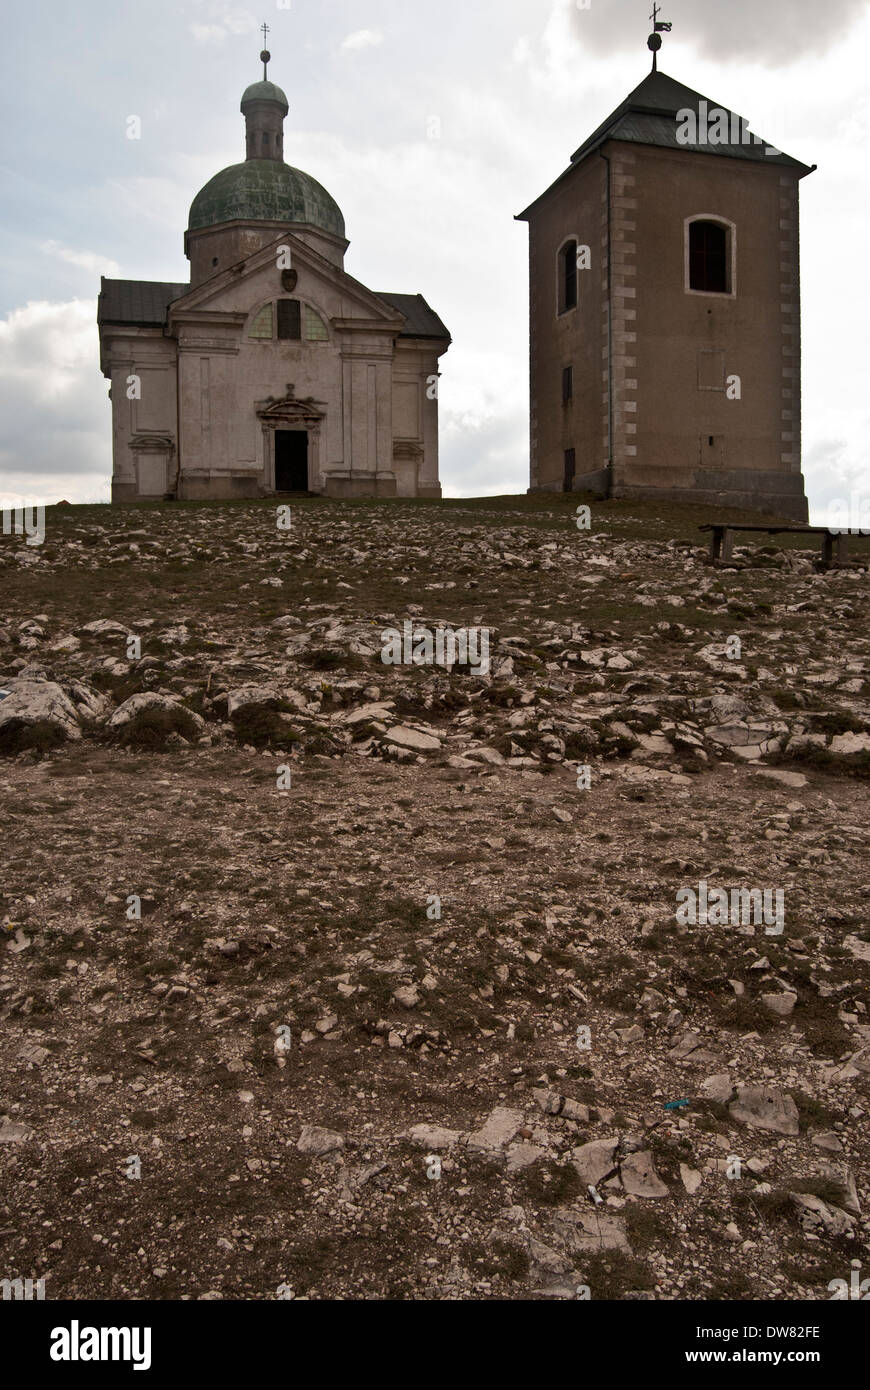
x=263, y=189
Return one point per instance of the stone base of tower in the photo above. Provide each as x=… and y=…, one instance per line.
x=597, y=483
x=771, y=494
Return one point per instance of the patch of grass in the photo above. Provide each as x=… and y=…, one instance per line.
x=502, y=1259
x=811, y=755
x=731, y=1288
x=834, y=1193
x=41, y=736
x=772, y=1206
x=838, y=722
x=813, y=1265
x=262, y=726
x=329, y=659
x=645, y=1227
x=611, y=1274
x=813, y=1112
x=150, y=728
x=745, y=1014
x=549, y=1183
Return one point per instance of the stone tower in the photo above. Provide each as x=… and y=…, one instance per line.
x=665, y=311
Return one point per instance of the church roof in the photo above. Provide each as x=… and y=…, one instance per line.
x=144, y=304
x=422, y=321
x=265, y=91
x=648, y=116
x=265, y=190
x=140, y=303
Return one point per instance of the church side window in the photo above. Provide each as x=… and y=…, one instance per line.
x=289, y=319
x=261, y=326
x=316, y=330
x=709, y=257
x=568, y=277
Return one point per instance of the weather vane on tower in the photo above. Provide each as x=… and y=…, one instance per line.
x=654, y=43
x=266, y=55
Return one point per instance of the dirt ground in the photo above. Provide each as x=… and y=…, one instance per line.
x=322, y=978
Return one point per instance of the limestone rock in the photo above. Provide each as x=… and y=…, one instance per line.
x=817, y=1216
x=762, y=1107
x=39, y=702
x=12, y=1133
x=544, y=1258
x=691, y=1179
x=433, y=1137
x=587, y=1231
x=151, y=700
x=522, y=1156
x=497, y=1130
x=401, y=736
x=639, y=1177
x=829, y=1141
x=718, y=1087
x=858, y=948
x=787, y=779
x=782, y=1003
x=251, y=697
x=317, y=1141
x=594, y=1161
x=407, y=995
x=850, y=743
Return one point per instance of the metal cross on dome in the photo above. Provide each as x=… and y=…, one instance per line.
x=265, y=55
x=659, y=28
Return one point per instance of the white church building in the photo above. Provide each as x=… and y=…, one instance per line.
x=273, y=371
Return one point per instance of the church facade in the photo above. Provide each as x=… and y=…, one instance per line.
x=273, y=370
x=665, y=311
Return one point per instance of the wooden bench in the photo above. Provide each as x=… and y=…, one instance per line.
x=835, y=544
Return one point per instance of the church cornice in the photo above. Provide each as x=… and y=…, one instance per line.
x=282, y=229
x=231, y=318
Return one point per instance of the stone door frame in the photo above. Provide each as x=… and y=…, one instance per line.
x=291, y=414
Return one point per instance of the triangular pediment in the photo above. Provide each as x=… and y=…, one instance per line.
x=221, y=292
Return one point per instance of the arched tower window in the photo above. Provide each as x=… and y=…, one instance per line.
x=567, y=272
x=710, y=256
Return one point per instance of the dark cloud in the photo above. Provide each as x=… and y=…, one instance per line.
x=775, y=32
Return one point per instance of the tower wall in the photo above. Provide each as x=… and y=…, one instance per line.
x=656, y=410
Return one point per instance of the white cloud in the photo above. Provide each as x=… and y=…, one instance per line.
x=56, y=431
x=361, y=38
x=780, y=34
x=224, y=19
x=208, y=33
x=91, y=261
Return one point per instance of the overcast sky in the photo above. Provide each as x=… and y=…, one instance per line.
x=514, y=85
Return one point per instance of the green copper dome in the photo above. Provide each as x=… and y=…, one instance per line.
x=264, y=190
x=265, y=91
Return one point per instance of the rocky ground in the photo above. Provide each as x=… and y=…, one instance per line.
x=326, y=978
